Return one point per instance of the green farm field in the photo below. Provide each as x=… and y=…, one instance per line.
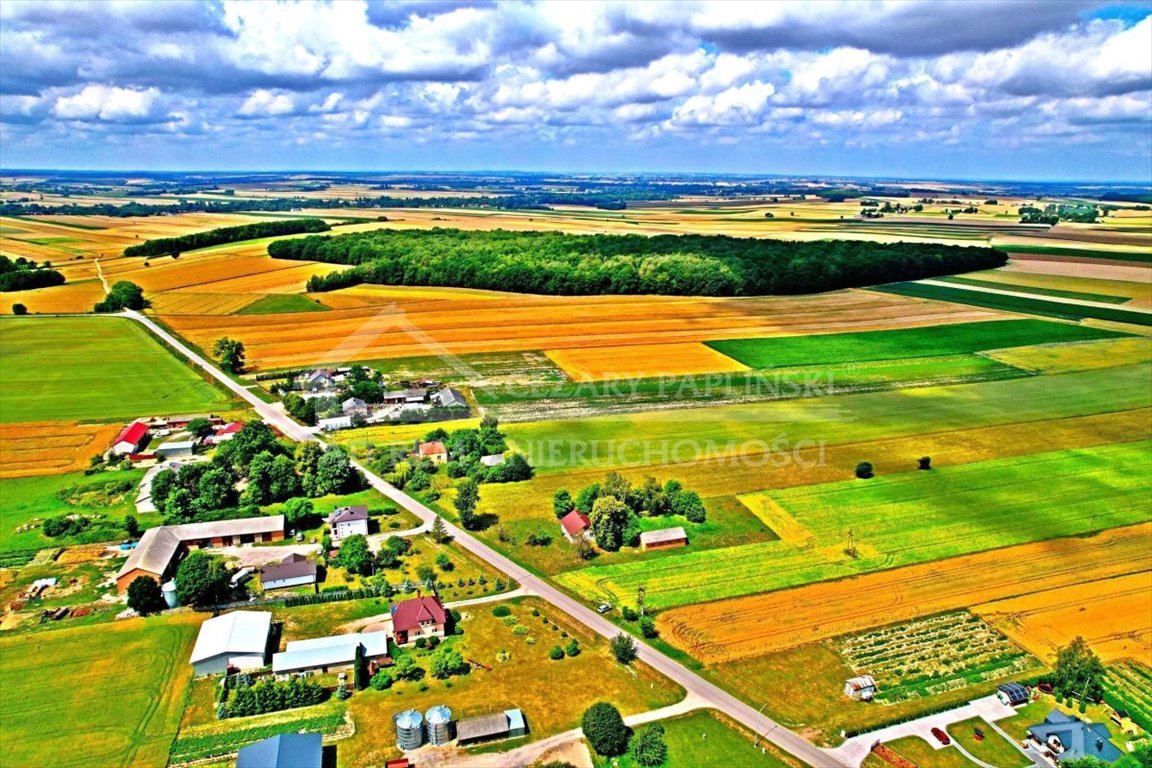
x=898, y=520
x=95, y=369
x=993, y=749
x=276, y=303
x=93, y=708
x=961, y=338
x=25, y=499
x=1037, y=290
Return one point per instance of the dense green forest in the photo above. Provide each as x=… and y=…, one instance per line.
x=24, y=275
x=558, y=263
x=168, y=245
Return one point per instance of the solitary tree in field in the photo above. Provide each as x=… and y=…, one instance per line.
x=624, y=648
x=144, y=596
x=230, y=353
x=19, y=309
x=467, y=497
x=864, y=470
x=438, y=532
x=924, y=462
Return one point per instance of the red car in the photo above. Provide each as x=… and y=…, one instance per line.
x=941, y=736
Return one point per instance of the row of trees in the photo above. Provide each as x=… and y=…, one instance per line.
x=24, y=275
x=164, y=246
x=270, y=696
x=558, y=263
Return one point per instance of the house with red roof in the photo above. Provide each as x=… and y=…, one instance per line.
x=419, y=617
x=130, y=439
x=435, y=451
x=226, y=432
x=575, y=524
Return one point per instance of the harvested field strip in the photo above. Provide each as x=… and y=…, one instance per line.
x=1114, y=616
x=1015, y=303
x=289, y=280
x=68, y=298
x=1086, y=253
x=960, y=338
x=730, y=630
x=1122, y=272
x=641, y=361
x=1013, y=276
x=474, y=325
x=901, y=520
x=1037, y=290
x=181, y=303
x=1083, y=356
x=50, y=447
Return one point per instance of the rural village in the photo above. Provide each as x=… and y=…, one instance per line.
x=827, y=446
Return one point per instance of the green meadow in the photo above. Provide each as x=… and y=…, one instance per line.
x=94, y=369
x=275, y=303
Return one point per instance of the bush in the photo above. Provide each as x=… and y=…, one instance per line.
x=556, y=653
x=649, y=749
x=573, y=648
x=144, y=596
x=648, y=627
x=605, y=730
x=381, y=681
x=19, y=309
x=624, y=648
x=448, y=662
x=864, y=470
x=628, y=614
x=433, y=642
x=421, y=642
x=501, y=611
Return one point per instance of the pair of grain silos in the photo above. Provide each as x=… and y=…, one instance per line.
x=412, y=729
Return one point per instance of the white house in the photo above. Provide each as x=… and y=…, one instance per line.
x=348, y=521
x=295, y=570
x=237, y=640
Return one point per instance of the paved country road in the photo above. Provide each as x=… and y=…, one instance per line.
x=693, y=684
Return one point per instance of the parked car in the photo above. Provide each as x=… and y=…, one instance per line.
x=603, y=608
x=941, y=736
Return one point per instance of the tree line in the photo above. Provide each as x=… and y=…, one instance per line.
x=559, y=263
x=164, y=246
x=24, y=275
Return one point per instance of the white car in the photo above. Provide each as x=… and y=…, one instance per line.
x=603, y=608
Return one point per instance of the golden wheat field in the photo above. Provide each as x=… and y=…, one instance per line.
x=195, y=303
x=429, y=326
x=51, y=447
x=1113, y=615
x=740, y=628
x=1078, y=356
x=641, y=361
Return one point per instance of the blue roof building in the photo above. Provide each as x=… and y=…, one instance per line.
x=288, y=750
x=1070, y=738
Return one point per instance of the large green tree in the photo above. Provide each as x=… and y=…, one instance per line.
x=605, y=730
x=145, y=596
x=202, y=580
x=467, y=497
x=356, y=556
x=610, y=518
x=230, y=353
x=1079, y=671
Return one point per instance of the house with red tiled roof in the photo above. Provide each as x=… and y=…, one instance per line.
x=418, y=617
x=575, y=524
x=435, y=451
x=130, y=439
x=226, y=432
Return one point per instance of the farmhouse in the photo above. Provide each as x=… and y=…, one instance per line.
x=435, y=451
x=285, y=750
x=575, y=524
x=1012, y=694
x=861, y=688
x=160, y=548
x=334, y=423
x=320, y=379
x=237, y=640
x=1065, y=737
x=449, y=398
x=418, y=617
x=130, y=439
x=348, y=521
x=501, y=725
x=328, y=654
x=293, y=571
x=666, y=538
x=226, y=432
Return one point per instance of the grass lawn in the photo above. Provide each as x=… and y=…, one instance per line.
x=897, y=520
x=543, y=689
x=1035, y=711
x=113, y=696
x=282, y=302
x=961, y=338
x=27, y=499
x=384, y=514
x=99, y=369
x=923, y=754
x=823, y=711
x=708, y=739
x=993, y=749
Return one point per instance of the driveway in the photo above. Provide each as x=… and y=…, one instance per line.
x=853, y=751
x=144, y=503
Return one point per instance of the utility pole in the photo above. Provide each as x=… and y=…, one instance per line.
x=640, y=599
x=851, y=545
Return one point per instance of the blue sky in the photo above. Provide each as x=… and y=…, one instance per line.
x=970, y=89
